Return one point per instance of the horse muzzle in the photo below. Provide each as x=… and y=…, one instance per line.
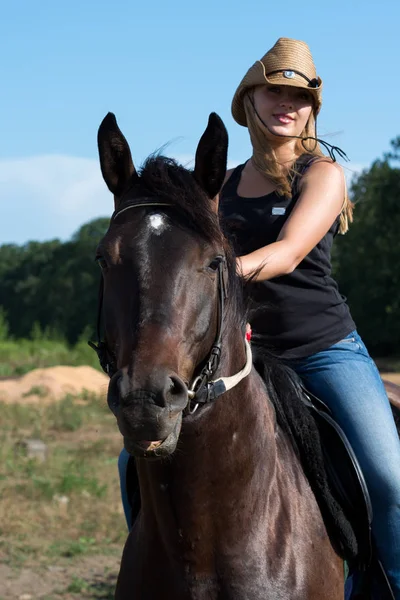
x=149, y=412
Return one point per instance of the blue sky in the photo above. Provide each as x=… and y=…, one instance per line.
x=162, y=67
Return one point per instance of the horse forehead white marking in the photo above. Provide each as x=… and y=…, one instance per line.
x=157, y=223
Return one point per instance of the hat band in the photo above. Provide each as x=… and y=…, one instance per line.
x=290, y=73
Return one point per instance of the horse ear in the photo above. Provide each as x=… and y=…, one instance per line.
x=211, y=156
x=115, y=156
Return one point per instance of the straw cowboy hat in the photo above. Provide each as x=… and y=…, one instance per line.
x=289, y=62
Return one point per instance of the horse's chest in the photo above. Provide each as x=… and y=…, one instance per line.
x=180, y=582
x=230, y=591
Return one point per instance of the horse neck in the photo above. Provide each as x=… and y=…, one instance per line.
x=225, y=460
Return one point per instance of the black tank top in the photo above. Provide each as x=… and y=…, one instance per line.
x=294, y=315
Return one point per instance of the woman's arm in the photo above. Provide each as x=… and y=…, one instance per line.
x=320, y=202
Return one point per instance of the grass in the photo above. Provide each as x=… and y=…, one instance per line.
x=36, y=390
x=17, y=357
x=77, y=585
x=94, y=589
x=69, y=505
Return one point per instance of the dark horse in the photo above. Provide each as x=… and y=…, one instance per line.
x=227, y=512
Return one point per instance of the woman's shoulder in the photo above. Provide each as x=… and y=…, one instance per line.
x=237, y=170
x=232, y=178
x=312, y=163
x=320, y=168
x=227, y=176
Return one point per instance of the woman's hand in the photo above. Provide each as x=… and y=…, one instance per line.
x=239, y=266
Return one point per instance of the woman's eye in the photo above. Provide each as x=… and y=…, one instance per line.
x=274, y=89
x=101, y=262
x=304, y=96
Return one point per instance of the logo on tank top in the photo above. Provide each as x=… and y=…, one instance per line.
x=278, y=210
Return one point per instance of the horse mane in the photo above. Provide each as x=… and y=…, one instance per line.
x=170, y=182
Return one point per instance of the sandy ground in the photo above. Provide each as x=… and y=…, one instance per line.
x=79, y=577
x=53, y=383
x=393, y=377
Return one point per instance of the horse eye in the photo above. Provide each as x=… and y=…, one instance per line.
x=101, y=262
x=214, y=264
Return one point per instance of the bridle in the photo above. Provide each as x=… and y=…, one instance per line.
x=202, y=390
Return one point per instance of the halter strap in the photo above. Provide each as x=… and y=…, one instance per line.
x=216, y=388
x=202, y=390
x=138, y=205
x=105, y=355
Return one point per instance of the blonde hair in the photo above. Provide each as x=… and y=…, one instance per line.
x=265, y=161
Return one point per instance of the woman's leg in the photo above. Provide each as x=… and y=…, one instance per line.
x=347, y=380
x=122, y=470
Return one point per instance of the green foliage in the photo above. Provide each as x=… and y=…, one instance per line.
x=4, y=329
x=72, y=548
x=77, y=586
x=36, y=390
x=49, y=289
x=77, y=478
x=367, y=258
x=64, y=416
x=17, y=357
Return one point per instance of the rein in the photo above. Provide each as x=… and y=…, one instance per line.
x=202, y=390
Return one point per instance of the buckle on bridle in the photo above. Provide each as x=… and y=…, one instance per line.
x=100, y=348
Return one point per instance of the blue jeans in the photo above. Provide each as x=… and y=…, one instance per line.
x=122, y=470
x=345, y=377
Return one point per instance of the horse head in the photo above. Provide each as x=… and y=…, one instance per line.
x=163, y=261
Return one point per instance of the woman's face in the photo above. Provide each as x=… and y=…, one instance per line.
x=285, y=109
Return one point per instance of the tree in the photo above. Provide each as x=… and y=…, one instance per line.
x=53, y=284
x=367, y=258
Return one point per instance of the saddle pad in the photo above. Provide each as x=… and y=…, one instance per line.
x=345, y=477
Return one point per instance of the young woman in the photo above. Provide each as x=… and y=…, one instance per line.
x=282, y=209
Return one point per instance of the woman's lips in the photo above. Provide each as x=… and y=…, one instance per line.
x=282, y=118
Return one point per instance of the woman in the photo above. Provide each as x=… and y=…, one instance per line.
x=282, y=209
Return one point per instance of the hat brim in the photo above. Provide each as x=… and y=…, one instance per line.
x=256, y=76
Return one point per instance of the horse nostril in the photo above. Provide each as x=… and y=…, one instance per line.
x=177, y=387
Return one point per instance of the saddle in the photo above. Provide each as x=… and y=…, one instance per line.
x=367, y=579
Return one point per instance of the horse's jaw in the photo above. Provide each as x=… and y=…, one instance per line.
x=156, y=449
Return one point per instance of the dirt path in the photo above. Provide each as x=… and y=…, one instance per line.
x=88, y=577
x=393, y=377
